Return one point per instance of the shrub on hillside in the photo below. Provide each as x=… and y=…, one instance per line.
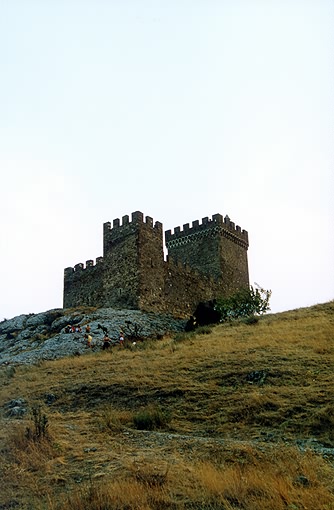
x=39, y=430
x=246, y=302
x=151, y=418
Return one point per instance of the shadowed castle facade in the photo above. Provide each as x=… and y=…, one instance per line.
x=205, y=261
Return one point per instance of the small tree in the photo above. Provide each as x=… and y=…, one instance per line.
x=41, y=423
x=244, y=303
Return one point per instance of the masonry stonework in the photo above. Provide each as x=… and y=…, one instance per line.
x=205, y=261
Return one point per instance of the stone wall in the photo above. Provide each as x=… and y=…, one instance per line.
x=83, y=285
x=185, y=288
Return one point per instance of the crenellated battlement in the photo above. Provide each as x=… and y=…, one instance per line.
x=214, y=226
x=137, y=218
x=80, y=267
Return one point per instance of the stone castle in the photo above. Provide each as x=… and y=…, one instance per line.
x=204, y=261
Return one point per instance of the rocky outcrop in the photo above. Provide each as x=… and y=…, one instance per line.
x=30, y=338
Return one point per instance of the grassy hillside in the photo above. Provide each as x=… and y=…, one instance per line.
x=238, y=416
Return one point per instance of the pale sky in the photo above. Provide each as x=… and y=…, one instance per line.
x=180, y=109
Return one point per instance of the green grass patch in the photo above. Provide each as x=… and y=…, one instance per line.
x=151, y=418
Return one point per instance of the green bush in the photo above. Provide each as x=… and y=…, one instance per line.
x=247, y=302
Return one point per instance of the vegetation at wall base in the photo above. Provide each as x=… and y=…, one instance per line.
x=245, y=303
x=237, y=417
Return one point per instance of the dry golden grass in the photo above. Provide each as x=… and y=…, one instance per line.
x=228, y=410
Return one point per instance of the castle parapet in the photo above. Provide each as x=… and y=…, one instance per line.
x=80, y=267
x=214, y=225
x=117, y=231
x=218, y=219
x=137, y=217
x=158, y=227
x=149, y=221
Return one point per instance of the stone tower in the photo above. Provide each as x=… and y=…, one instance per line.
x=215, y=248
x=133, y=255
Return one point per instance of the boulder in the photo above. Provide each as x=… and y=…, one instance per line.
x=30, y=338
x=16, y=408
x=15, y=324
